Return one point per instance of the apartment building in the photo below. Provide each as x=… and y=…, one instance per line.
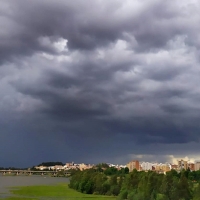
x=191, y=166
x=83, y=166
x=182, y=164
x=197, y=166
x=162, y=168
x=174, y=166
x=146, y=166
x=134, y=164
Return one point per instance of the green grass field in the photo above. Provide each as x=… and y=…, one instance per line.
x=51, y=192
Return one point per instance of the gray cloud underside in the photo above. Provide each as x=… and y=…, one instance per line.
x=99, y=77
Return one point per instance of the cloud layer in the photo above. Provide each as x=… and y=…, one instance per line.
x=98, y=81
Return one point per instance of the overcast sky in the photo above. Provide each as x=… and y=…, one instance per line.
x=99, y=81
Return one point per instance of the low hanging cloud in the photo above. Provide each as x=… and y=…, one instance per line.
x=113, y=78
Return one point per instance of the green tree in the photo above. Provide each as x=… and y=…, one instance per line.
x=183, y=188
x=111, y=171
x=197, y=192
x=167, y=185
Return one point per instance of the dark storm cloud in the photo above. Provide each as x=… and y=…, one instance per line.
x=84, y=97
x=98, y=77
x=87, y=25
x=173, y=109
x=24, y=29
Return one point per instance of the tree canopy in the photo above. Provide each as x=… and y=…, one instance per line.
x=138, y=185
x=48, y=164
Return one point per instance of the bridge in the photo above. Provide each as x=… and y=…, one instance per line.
x=29, y=172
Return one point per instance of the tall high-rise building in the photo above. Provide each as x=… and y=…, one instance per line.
x=182, y=164
x=197, y=166
x=134, y=164
x=191, y=166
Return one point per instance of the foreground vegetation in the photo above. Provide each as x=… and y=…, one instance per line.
x=138, y=185
x=108, y=183
x=60, y=191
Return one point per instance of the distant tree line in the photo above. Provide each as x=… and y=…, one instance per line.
x=48, y=164
x=12, y=168
x=138, y=185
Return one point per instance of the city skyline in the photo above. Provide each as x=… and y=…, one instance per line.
x=173, y=161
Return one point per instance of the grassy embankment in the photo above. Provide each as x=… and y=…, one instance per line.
x=60, y=191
